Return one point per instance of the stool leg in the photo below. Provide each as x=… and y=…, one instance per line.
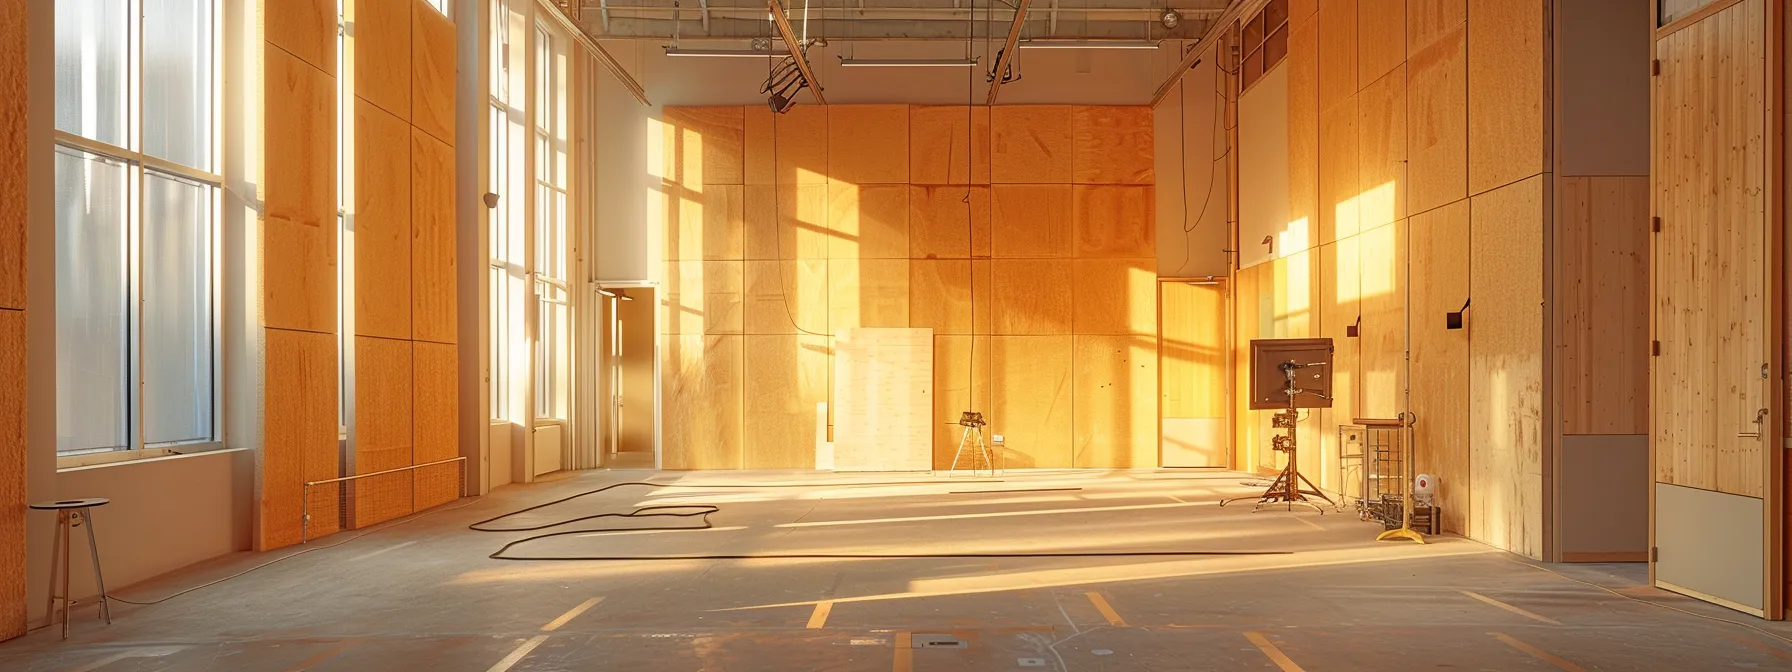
x=55, y=562
x=93, y=549
x=67, y=602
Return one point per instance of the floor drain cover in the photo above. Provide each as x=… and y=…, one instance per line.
x=936, y=642
x=1032, y=662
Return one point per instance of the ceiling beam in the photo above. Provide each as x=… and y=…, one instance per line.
x=1020, y=20
x=597, y=50
x=797, y=48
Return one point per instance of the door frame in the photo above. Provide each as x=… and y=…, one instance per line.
x=600, y=418
x=1226, y=336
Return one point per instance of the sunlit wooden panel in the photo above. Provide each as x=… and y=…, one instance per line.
x=1030, y=296
x=868, y=144
x=382, y=222
x=1381, y=127
x=433, y=71
x=940, y=292
x=1428, y=21
x=1339, y=171
x=299, y=197
x=710, y=224
x=958, y=386
x=12, y=464
x=867, y=293
x=435, y=423
x=792, y=147
x=1293, y=282
x=785, y=377
x=1115, y=402
x=883, y=397
x=1031, y=221
x=1340, y=308
x=1505, y=92
x=1602, y=304
x=303, y=29
x=704, y=146
x=786, y=297
x=1384, y=294
x=701, y=402
x=948, y=222
x=1030, y=144
x=948, y=144
x=434, y=309
x=1303, y=127
x=704, y=297
x=384, y=430
x=1505, y=327
x=1437, y=122
x=382, y=52
x=787, y=222
x=1030, y=400
x=1248, y=327
x=1301, y=10
x=1114, y=296
x=1193, y=387
x=1112, y=145
x=1112, y=221
x=298, y=438
x=1440, y=370
x=867, y=221
x=1381, y=39
x=1337, y=52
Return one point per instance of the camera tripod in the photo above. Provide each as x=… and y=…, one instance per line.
x=1290, y=486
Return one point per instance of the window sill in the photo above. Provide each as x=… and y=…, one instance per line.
x=118, y=458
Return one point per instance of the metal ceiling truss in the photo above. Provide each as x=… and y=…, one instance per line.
x=857, y=20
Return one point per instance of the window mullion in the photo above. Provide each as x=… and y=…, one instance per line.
x=134, y=261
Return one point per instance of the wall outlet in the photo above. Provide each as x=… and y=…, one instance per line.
x=997, y=439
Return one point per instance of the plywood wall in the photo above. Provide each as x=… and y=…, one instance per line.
x=1031, y=226
x=1394, y=158
x=13, y=180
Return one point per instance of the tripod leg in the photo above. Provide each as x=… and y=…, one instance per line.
x=955, y=456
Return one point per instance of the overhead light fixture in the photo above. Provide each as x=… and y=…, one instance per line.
x=908, y=62
x=1170, y=18
x=1088, y=44
x=724, y=53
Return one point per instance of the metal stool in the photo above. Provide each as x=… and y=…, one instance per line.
x=72, y=513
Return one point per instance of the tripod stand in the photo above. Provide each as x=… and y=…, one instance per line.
x=1290, y=486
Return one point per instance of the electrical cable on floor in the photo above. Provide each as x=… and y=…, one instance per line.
x=1668, y=607
x=702, y=512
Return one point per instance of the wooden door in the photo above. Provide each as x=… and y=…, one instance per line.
x=1192, y=384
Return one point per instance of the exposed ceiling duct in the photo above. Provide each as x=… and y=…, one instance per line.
x=867, y=20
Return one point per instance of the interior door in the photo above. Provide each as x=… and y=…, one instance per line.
x=1192, y=387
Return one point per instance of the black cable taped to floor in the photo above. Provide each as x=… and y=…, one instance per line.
x=702, y=512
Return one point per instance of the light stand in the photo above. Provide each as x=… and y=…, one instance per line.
x=1288, y=486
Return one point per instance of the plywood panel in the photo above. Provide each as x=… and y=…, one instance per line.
x=1427, y=21
x=701, y=412
x=868, y=144
x=12, y=447
x=1440, y=398
x=1505, y=92
x=13, y=177
x=384, y=426
x=1339, y=171
x=382, y=51
x=382, y=221
x=1437, y=122
x=787, y=222
x=1303, y=127
x=435, y=427
x=1115, y=402
x=786, y=297
x=1337, y=52
x=940, y=292
x=1245, y=446
x=1112, y=145
x=1602, y=304
x=883, y=396
x=1192, y=350
x=1301, y=10
x=1031, y=221
x=1114, y=221
x=1381, y=125
x=867, y=221
x=1340, y=305
x=1030, y=296
x=704, y=297
x=942, y=225
x=298, y=258
x=1506, y=367
x=306, y=31
x=704, y=146
x=785, y=377
x=711, y=223
x=867, y=293
x=954, y=378
x=299, y=437
x=433, y=72
x=1031, y=400
x=433, y=258
x=1030, y=144
x=948, y=144
x=1113, y=296
x=1384, y=289
x=800, y=138
x=1381, y=39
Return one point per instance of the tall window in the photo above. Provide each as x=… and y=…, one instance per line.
x=500, y=114
x=136, y=212
x=551, y=289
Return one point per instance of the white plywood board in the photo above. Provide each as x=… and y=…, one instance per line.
x=1710, y=544
x=883, y=399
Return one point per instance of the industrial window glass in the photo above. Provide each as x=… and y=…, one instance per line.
x=1670, y=10
x=136, y=213
x=551, y=289
x=501, y=271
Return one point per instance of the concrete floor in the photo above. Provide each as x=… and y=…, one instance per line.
x=422, y=594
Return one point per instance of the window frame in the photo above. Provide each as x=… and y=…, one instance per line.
x=550, y=224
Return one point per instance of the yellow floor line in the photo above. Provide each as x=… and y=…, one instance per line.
x=1508, y=607
x=1275, y=655
x=322, y=656
x=1537, y=653
x=568, y=616
x=905, y=653
x=1308, y=523
x=819, y=619
x=1101, y=605
x=517, y=655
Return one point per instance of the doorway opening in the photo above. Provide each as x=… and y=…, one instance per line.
x=627, y=371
